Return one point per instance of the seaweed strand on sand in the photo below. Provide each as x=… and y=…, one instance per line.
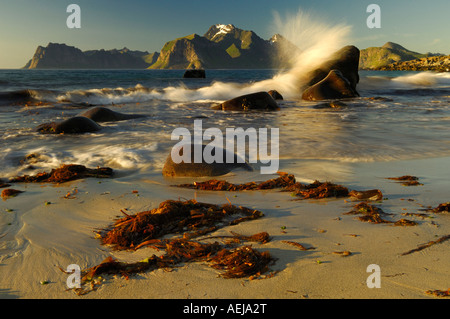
x=429, y=244
x=284, y=180
x=288, y=183
x=64, y=174
x=438, y=293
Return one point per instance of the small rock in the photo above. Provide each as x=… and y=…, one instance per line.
x=194, y=74
x=253, y=101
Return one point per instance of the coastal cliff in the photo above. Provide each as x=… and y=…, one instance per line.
x=62, y=56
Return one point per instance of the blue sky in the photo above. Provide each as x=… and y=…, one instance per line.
x=147, y=24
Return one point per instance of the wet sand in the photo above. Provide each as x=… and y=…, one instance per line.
x=41, y=230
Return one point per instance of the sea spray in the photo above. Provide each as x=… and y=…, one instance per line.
x=316, y=41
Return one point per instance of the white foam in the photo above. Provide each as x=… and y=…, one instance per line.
x=424, y=79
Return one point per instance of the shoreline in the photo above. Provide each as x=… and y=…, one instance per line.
x=37, y=238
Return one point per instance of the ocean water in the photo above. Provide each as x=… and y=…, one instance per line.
x=399, y=116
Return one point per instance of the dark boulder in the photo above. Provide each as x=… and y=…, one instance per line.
x=103, y=114
x=253, y=101
x=194, y=74
x=334, y=86
x=73, y=125
x=192, y=169
x=345, y=60
x=275, y=95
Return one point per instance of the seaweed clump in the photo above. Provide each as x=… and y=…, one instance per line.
x=438, y=293
x=135, y=231
x=64, y=174
x=444, y=207
x=323, y=190
x=370, y=213
x=10, y=192
x=234, y=262
x=189, y=219
x=241, y=262
x=285, y=181
x=407, y=180
x=373, y=214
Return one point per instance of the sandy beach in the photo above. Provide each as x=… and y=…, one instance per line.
x=41, y=230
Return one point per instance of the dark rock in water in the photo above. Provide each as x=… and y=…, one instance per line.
x=103, y=114
x=254, y=101
x=345, y=60
x=332, y=104
x=194, y=74
x=192, y=169
x=275, y=95
x=334, y=86
x=74, y=125
x=16, y=97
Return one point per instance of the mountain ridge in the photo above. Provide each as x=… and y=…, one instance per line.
x=62, y=56
x=223, y=46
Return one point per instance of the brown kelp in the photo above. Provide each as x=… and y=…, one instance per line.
x=234, y=262
x=65, y=173
x=241, y=262
x=297, y=245
x=406, y=180
x=370, y=213
x=429, y=244
x=373, y=214
x=438, y=293
x=10, y=192
x=287, y=182
x=441, y=208
x=190, y=217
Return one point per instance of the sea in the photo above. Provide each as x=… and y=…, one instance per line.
x=398, y=116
